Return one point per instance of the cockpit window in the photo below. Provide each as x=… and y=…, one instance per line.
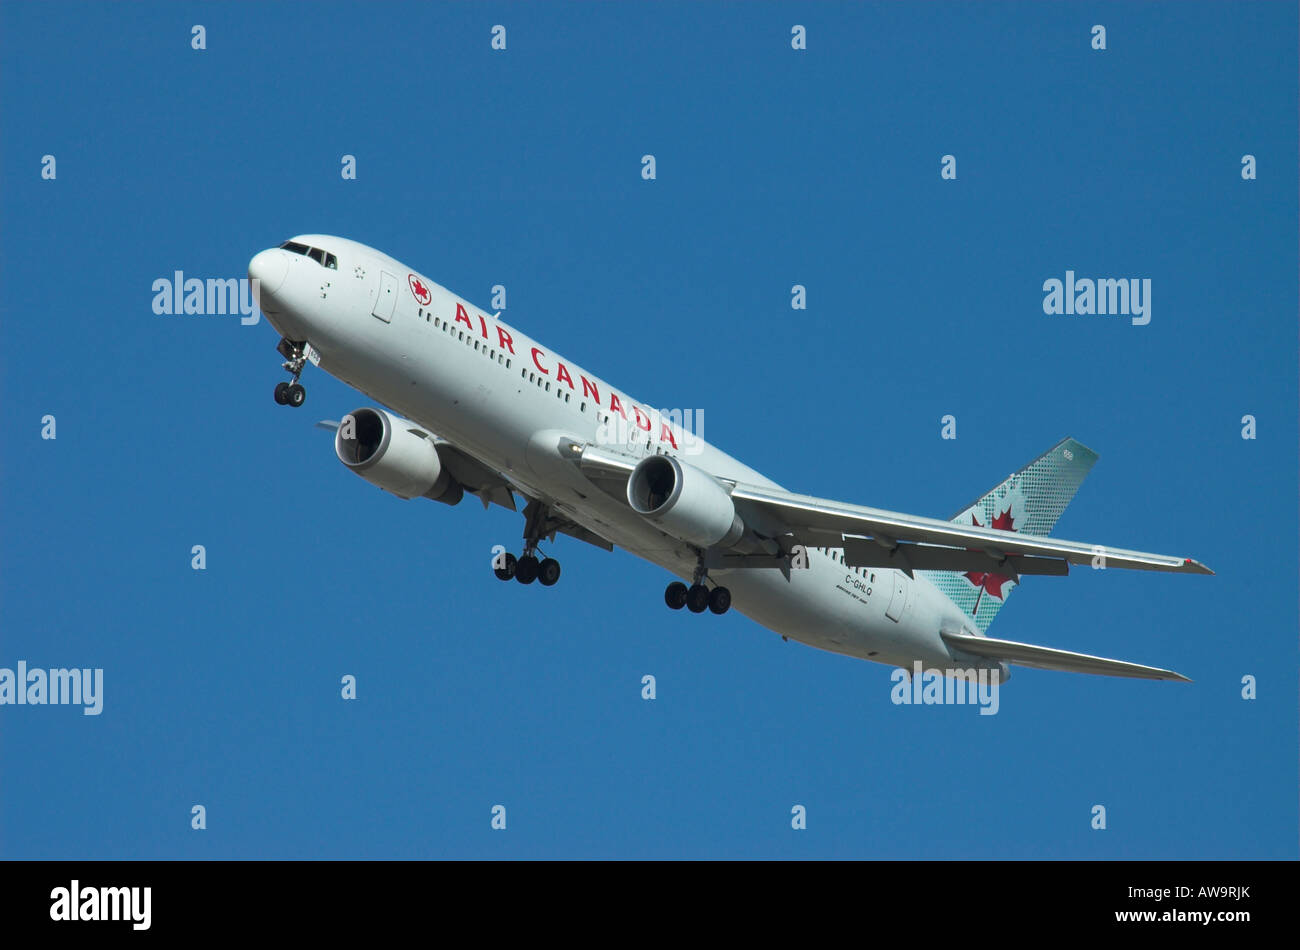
x=321, y=257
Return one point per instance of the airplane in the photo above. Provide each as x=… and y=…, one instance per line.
x=472, y=405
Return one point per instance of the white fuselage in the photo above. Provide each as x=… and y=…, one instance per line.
x=499, y=395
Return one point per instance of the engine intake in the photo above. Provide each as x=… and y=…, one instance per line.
x=395, y=454
x=684, y=501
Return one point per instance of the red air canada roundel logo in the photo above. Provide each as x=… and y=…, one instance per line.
x=420, y=290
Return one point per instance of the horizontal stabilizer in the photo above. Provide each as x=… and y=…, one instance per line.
x=1047, y=658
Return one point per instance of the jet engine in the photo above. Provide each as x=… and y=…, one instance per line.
x=395, y=454
x=684, y=501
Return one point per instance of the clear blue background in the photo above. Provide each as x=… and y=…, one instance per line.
x=775, y=167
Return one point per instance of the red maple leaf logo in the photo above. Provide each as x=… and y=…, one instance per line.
x=992, y=582
x=420, y=291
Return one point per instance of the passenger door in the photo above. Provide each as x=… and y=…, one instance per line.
x=387, y=298
x=897, y=596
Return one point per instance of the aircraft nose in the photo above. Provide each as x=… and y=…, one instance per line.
x=269, y=268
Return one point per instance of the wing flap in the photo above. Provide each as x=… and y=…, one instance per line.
x=1048, y=658
x=865, y=552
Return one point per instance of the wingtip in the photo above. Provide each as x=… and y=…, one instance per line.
x=1196, y=567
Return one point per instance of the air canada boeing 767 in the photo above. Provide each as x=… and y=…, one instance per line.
x=477, y=406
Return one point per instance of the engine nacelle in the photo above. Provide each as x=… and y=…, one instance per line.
x=395, y=454
x=684, y=501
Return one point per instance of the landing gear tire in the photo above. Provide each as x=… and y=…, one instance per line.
x=526, y=569
x=295, y=356
x=507, y=570
x=697, y=599
x=675, y=595
x=548, y=572
x=719, y=600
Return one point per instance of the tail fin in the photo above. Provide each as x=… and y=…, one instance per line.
x=1029, y=501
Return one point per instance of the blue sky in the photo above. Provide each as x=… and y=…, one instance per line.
x=522, y=167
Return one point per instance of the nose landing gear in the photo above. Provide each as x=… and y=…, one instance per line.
x=292, y=394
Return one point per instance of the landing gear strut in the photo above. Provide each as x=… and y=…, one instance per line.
x=291, y=394
x=527, y=567
x=697, y=598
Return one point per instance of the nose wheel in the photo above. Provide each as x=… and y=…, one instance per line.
x=292, y=394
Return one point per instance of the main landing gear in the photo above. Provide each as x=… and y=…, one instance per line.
x=527, y=568
x=697, y=598
x=291, y=394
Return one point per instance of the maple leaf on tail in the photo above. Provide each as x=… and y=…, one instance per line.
x=992, y=583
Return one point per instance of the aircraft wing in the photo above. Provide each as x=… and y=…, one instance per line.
x=890, y=539
x=1047, y=658
x=873, y=537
